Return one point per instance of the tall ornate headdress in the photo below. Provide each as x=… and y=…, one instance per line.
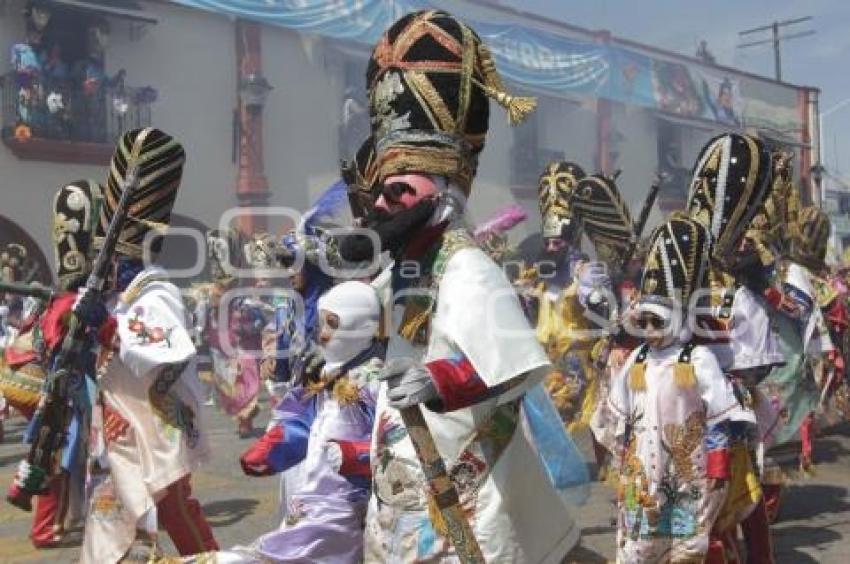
x=429, y=80
x=730, y=182
x=158, y=159
x=554, y=193
x=677, y=263
x=76, y=211
x=809, y=245
x=360, y=174
x=604, y=217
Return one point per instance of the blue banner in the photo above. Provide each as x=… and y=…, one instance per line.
x=357, y=20
x=546, y=61
x=532, y=58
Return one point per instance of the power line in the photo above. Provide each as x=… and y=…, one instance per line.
x=776, y=39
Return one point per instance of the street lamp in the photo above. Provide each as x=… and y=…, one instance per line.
x=254, y=89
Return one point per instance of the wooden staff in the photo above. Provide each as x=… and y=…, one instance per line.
x=441, y=487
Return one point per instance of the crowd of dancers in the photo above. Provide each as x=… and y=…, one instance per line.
x=424, y=382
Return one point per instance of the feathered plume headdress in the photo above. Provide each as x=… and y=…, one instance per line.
x=502, y=221
x=492, y=233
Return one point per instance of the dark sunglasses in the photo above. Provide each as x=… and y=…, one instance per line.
x=394, y=191
x=650, y=321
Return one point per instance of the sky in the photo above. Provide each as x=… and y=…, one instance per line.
x=821, y=60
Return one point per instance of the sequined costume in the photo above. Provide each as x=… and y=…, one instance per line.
x=668, y=414
x=430, y=109
x=29, y=357
x=150, y=435
x=572, y=322
x=325, y=427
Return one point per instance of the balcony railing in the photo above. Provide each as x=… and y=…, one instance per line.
x=69, y=124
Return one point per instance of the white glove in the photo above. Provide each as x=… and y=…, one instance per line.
x=408, y=383
x=593, y=281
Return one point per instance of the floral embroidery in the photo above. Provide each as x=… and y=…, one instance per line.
x=148, y=335
x=385, y=94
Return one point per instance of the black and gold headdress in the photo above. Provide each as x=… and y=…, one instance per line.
x=677, y=263
x=76, y=210
x=430, y=79
x=810, y=241
x=360, y=175
x=158, y=159
x=730, y=182
x=554, y=193
x=604, y=217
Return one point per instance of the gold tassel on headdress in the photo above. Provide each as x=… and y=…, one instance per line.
x=518, y=107
x=637, y=377
x=684, y=375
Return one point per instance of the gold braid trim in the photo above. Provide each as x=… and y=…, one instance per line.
x=436, y=517
x=415, y=322
x=440, y=162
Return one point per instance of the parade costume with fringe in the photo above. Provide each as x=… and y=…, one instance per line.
x=75, y=214
x=324, y=427
x=150, y=434
x=430, y=78
x=668, y=412
x=573, y=204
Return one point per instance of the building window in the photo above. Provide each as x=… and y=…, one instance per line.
x=58, y=89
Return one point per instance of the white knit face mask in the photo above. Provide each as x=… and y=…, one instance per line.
x=356, y=309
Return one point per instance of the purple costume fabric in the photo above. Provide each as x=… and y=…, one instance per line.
x=325, y=516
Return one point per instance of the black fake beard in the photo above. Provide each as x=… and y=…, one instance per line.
x=557, y=257
x=393, y=229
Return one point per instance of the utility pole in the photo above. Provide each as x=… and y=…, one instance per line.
x=776, y=39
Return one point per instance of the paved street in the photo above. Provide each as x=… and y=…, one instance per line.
x=815, y=514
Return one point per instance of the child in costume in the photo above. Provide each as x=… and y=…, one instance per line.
x=326, y=426
x=731, y=180
x=670, y=405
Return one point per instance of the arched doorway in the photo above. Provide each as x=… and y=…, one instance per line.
x=11, y=232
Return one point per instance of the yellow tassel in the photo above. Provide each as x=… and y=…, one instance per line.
x=637, y=377
x=436, y=517
x=518, y=107
x=382, y=323
x=414, y=326
x=684, y=375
